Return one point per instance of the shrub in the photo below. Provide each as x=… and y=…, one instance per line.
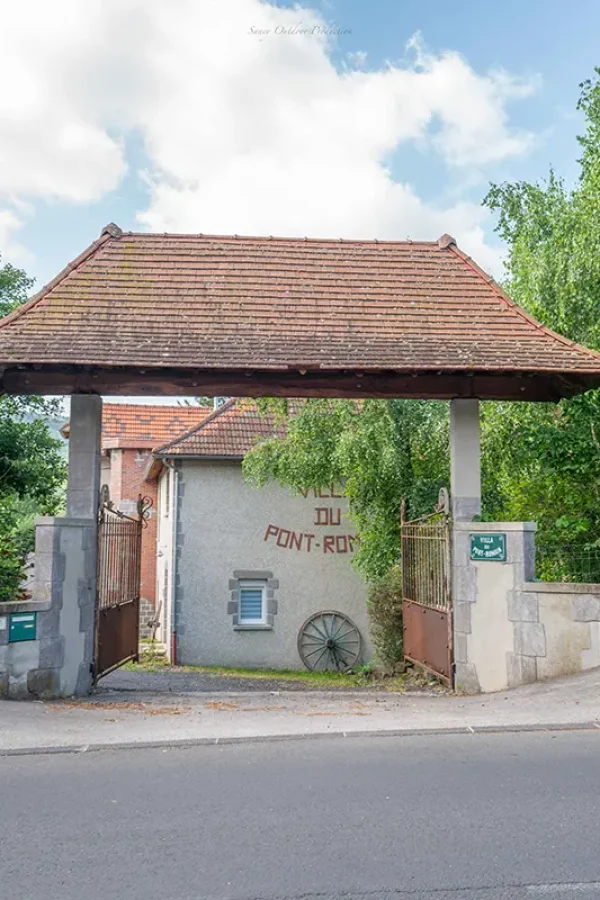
x=384, y=604
x=11, y=554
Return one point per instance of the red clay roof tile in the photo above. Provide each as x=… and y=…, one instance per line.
x=209, y=303
x=227, y=433
x=138, y=424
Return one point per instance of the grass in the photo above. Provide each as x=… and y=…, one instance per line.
x=316, y=679
x=364, y=677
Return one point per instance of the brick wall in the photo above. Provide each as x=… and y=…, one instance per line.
x=126, y=484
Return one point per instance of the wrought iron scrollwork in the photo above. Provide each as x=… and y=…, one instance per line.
x=144, y=505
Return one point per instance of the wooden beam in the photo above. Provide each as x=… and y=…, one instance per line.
x=288, y=383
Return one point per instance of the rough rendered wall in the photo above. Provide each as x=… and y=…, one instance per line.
x=222, y=526
x=569, y=623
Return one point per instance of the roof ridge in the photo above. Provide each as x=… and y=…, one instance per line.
x=108, y=233
x=157, y=406
x=277, y=238
x=225, y=407
x=510, y=303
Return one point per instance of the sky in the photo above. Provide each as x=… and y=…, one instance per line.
x=336, y=118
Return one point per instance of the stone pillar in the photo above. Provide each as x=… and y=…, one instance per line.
x=491, y=614
x=84, y=456
x=465, y=460
x=58, y=662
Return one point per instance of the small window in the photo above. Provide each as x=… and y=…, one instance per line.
x=252, y=603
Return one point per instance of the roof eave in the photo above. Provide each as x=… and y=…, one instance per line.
x=209, y=457
x=441, y=383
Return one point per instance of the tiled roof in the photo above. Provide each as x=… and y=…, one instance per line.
x=194, y=303
x=227, y=433
x=139, y=424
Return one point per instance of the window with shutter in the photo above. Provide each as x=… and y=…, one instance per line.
x=252, y=605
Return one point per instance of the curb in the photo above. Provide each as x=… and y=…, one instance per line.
x=340, y=693
x=185, y=743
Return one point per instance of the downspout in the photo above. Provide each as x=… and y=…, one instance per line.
x=174, y=517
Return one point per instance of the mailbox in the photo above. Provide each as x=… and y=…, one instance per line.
x=22, y=627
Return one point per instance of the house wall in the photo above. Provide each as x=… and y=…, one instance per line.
x=166, y=518
x=224, y=528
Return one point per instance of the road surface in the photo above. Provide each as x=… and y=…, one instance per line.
x=473, y=817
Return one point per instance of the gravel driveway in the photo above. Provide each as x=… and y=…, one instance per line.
x=171, y=680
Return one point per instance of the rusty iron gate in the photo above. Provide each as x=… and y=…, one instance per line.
x=118, y=586
x=426, y=594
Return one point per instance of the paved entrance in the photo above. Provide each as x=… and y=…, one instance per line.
x=173, y=680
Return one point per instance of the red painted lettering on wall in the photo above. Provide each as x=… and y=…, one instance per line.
x=302, y=540
x=272, y=531
x=283, y=538
x=322, y=494
x=326, y=516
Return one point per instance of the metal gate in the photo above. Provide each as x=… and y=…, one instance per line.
x=426, y=596
x=118, y=586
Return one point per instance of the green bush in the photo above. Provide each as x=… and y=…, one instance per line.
x=384, y=604
x=12, y=555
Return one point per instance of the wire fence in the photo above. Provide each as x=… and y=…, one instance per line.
x=575, y=563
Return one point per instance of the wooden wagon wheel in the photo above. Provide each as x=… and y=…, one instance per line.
x=329, y=640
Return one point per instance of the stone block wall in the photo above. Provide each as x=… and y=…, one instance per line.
x=59, y=661
x=510, y=630
x=562, y=635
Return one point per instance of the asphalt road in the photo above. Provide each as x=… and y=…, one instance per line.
x=479, y=817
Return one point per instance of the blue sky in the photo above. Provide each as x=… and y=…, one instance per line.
x=175, y=117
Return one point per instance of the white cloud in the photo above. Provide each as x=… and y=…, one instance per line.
x=246, y=129
x=53, y=141
x=9, y=248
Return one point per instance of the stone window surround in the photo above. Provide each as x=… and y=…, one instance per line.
x=272, y=585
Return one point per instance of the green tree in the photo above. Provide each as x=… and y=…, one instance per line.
x=14, y=287
x=378, y=451
x=539, y=461
x=543, y=462
x=32, y=467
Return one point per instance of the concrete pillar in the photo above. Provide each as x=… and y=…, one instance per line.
x=465, y=460
x=84, y=456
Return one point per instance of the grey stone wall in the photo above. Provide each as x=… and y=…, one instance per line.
x=58, y=663
x=147, y=614
x=221, y=528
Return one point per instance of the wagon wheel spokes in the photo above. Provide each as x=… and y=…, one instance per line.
x=329, y=640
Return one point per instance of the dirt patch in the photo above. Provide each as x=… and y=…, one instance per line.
x=123, y=705
x=222, y=705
